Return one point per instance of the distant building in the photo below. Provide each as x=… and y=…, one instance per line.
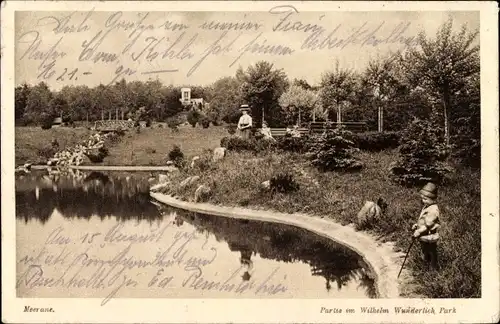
x=187, y=100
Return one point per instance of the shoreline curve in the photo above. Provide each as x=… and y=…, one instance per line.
x=380, y=257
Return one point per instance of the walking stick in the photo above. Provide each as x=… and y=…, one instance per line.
x=406, y=256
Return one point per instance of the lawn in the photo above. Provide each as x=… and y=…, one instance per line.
x=32, y=144
x=148, y=147
x=235, y=182
x=152, y=145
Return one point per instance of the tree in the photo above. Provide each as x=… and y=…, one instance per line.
x=38, y=104
x=443, y=65
x=226, y=99
x=302, y=83
x=422, y=154
x=382, y=86
x=170, y=104
x=262, y=85
x=58, y=104
x=337, y=88
x=298, y=103
x=21, y=98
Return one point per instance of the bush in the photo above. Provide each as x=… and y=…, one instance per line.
x=193, y=118
x=205, y=122
x=238, y=144
x=47, y=125
x=422, y=155
x=283, y=183
x=176, y=156
x=467, y=141
x=231, y=129
x=375, y=141
x=333, y=150
x=293, y=144
x=98, y=157
x=47, y=152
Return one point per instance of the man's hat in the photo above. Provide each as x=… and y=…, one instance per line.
x=244, y=107
x=429, y=191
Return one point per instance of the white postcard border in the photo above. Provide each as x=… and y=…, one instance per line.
x=119, y=310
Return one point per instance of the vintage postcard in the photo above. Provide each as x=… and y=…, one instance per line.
x=249, y=162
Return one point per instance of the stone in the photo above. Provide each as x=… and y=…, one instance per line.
x=219, y=153
x=162, y=178
x=188, y=181
x=266, y=185
x=53, y=161
x=194, y=161
x=368, y=213
x=202, y=193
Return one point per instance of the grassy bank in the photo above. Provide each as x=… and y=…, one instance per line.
x=339, y=196
x=32, y=144
x=151, y=145
x=148, y=147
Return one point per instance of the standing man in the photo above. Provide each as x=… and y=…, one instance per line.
x=245, y=122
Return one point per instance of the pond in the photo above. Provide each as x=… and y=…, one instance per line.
x=93, y=234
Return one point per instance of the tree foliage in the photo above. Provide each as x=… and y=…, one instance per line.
x=262, y=85
x=337, y=88
x=226, y=100
x=298, y=100
x=443, y=65
x=422, y=154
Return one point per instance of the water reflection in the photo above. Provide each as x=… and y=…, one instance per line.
x=288, y=244
x=125, y=197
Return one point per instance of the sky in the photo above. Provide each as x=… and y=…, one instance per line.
x=199, y=47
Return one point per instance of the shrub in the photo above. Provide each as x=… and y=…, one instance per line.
x=375, y=141
x=98, y=157
x=55, y=144
x=47, y=152
x=422, y=155
x=176, y=156
x=283, y=183
x=333, y=150
x=293, y=144
x=238, y=144
x=231, y=129
x=47, y=125
x=467, y=141
x=193, y=118
x=205, y=122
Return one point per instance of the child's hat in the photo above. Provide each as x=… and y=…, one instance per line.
x=429, y=190
x=244, y=107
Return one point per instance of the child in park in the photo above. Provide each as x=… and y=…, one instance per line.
x=426, y=228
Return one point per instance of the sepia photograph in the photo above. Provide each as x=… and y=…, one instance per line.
x=268, y=154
